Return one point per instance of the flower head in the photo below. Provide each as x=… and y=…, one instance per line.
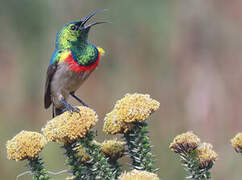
x=128, y=110
x=113, y=149
x=113, y=125
x=68, y=127
x=185, y=142
x=25, y=145
x=206, y=155
x=82, y=153
x=138, y=175
x=135, y=107
x=237, y=143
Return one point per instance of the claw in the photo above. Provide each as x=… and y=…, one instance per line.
x=77, y=110
x=69, y=107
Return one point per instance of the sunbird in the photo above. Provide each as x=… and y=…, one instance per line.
x=73, y=60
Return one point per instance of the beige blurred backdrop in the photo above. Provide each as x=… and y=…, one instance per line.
x=184, y=53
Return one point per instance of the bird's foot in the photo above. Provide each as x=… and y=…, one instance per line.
x=75, y=109
x=70, y=108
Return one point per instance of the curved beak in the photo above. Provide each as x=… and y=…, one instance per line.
x=95, y=23
x=83, y=21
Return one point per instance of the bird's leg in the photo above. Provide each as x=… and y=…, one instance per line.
x=69, y=107
x=78, y=99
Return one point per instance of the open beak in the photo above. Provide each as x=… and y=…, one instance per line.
x=83, y=21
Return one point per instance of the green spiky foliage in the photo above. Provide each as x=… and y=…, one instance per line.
x=78, y=169
x=114, y=164
x=37, y=169
x=139, y=147
x=98, y=166
x=190, y=162
x=115, y=167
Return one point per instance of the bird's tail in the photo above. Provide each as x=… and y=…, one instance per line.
x=56, y=111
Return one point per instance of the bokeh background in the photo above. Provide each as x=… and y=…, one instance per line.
x=186, y=54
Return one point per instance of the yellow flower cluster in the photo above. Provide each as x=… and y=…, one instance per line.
x=113, y=125
x=113, y=149
x=188, y=142
x=206, y=155
x=237, y=143
x=68, y=127
x=82, y=153
x=138, y=175
x=25, y=145
x=130, y=109
x=185, y=142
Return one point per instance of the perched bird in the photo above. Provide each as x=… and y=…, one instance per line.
x=73, y=60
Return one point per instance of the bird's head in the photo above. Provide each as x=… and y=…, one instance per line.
x=75, y=32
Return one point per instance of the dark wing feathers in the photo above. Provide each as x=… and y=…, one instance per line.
x=50, y=72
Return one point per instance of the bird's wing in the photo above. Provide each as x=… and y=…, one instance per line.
x=57, y=58
x=50, y=72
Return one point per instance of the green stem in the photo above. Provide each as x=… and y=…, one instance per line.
x=116, y=168
x=37, y=168
x=139, y=147
x=98, y=163
x=77, y=168
x=191, y=165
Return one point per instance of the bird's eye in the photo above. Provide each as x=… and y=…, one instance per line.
x=73, y=27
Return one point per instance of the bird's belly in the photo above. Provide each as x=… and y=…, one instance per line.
x=64, y=82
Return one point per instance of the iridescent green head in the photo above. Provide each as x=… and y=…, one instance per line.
x=75, y=32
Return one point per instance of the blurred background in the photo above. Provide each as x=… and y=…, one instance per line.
x=186, y=54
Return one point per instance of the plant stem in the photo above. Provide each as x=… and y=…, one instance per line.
x=98, y=163
x=116, y=168
x=73, y=159
x=191, y=165
x=37, y=168
x=139, y=147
